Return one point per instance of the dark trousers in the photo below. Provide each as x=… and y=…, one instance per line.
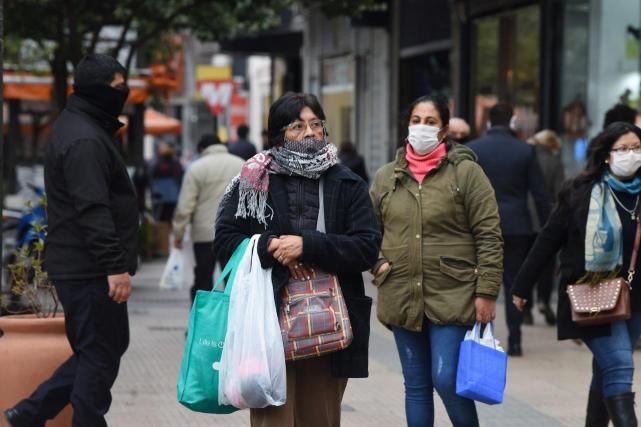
x=546, y=283
x=98, y=332
x=515, y=251
x=544, y=287
x=204, y=268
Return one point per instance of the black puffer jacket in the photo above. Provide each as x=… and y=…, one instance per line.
x=303, y=203
x=349, y=246
x=92, y=205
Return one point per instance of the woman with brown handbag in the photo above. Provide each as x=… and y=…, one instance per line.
x=594, y=225
x=279, y=194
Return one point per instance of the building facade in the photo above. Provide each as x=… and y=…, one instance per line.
x=561, y=63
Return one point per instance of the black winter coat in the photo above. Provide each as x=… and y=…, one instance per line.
x=514, y=171
x=565, y=231
x=92, y=209
x=349, y=247
x=243, y=149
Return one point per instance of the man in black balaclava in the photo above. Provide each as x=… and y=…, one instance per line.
x=90, y=249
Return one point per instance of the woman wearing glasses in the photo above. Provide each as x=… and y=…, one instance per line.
x=440, y=267
x=277, y=195
x=593, y=225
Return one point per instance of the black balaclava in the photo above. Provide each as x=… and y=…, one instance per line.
x=109, y=99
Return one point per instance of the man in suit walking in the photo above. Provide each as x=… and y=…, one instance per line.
x=513, y=169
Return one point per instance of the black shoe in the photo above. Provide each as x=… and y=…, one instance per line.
x=596, y=414
x=547, y=311
x=515, y=350
x=527, y=318
x=16, y=419
x=621, y=410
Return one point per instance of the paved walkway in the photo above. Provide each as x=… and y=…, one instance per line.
x=546, y=388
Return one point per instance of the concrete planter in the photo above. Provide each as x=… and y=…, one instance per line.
x=31, y=349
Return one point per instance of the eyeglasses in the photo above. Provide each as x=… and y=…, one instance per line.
x=299, y=127
x=624, y=150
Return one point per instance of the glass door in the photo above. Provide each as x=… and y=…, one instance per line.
x=505, y=67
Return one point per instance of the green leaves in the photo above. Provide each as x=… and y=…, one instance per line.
x=28, y=279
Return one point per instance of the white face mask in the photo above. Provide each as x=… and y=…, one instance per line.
x=625, y=164
x=423, y=138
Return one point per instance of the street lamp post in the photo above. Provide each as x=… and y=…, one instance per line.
x=2, y=142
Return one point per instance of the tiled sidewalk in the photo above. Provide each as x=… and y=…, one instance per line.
x=546, y=388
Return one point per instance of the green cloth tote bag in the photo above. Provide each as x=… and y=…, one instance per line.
x=198, y=378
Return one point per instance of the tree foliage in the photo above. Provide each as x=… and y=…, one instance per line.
x=65, y=30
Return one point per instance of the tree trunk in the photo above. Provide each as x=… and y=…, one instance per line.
x=14, y=144
x=60, y=85
x=136, y=136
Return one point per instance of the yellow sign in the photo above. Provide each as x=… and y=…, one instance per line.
x=211, y=72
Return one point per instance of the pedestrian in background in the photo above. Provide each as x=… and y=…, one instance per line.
x=202, y=190
x=277, y=196
x=547, y=145
x=459, y=130
x=91, y=247
x=620, y=113
x=514, y=171
x=166, y=178
x=243, y=147
x=349, y=157
x=602, y=201
x=441, y=259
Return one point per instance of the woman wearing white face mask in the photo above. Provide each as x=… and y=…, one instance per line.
x=440, y=265
x=594, y=225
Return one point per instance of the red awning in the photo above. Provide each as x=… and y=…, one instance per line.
x=156, y=123
x=29, y=87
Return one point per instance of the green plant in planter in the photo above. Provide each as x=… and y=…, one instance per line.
x=31, y=289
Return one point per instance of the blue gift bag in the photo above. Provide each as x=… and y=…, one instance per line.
x=481, y=368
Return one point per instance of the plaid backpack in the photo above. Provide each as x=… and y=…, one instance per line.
x=313, y=317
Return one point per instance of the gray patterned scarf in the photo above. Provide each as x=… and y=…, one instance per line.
x=309, y=158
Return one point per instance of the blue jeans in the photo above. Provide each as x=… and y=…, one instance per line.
x=612, y=363
x=430, y=359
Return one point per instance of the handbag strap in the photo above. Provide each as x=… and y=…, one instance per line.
x=320, y=222
x=230, y=268
x=635, y=253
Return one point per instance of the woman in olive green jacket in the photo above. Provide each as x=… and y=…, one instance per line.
x=440, y=266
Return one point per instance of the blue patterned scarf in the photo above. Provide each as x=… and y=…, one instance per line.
x=603, y=231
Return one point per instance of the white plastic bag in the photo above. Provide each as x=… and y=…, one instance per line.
x=175, y=274
x=487, y=339
x=252, y=367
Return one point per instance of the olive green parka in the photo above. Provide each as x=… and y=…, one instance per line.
x=442, y=239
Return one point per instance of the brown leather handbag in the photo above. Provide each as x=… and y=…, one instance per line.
x=607, y=301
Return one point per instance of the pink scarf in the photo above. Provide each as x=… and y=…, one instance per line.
x=253, y=180
x=419, y=165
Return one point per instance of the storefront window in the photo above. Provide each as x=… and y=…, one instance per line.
x=574, y=84
x=426, y=74
x=338, y=98
x=506, y=67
